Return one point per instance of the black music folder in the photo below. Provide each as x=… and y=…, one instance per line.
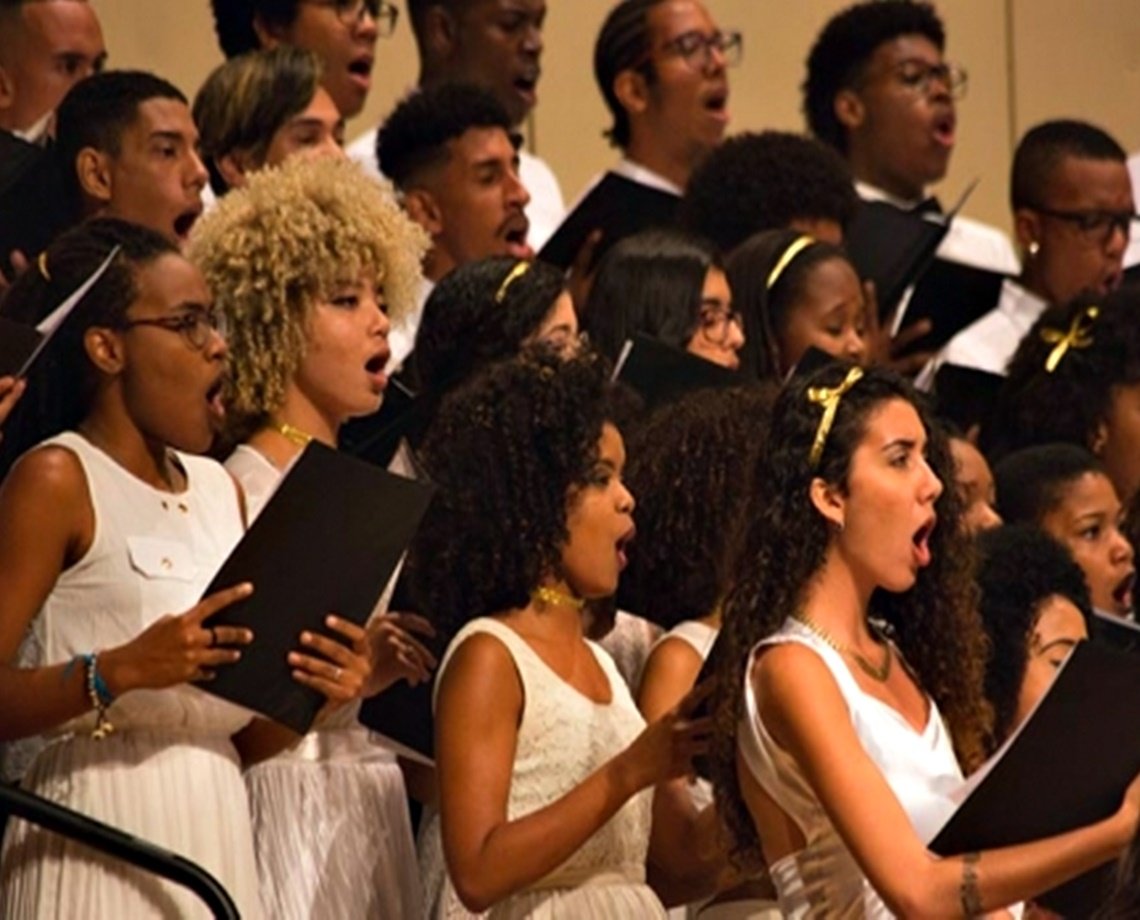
x=965, y=395
x=402, y=715
x=617, y=206
x=376, y=437
x=21, y=343
x=327, y=542
x=662, y=374
x=1067, y=766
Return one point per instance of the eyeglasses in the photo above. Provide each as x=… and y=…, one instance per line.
x=696, y=48
x=1096, y=227
x=919, y=76
x=350, y=12
x=717, y=322
x=195, y=326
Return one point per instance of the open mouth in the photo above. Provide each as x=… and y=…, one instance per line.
x=1122, y=593
x=622, y=547
x=921, y=542
x=375, y=370
x=515, y=236
x=214, y=398
x=716, y=103
x=361, y=68
x=185, y=221
x=526, y=85
x=943, y=130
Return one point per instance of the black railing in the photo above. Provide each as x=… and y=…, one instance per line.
x=115, y=843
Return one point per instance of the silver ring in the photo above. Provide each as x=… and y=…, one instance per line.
x=337, y=674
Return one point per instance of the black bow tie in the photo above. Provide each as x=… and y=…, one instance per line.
x=929, y=205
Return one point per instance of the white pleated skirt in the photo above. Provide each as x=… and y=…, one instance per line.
x=180, y=791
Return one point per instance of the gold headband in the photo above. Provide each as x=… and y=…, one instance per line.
x=41, y=264
x=798, y=245
x=515, y=273
x=828, y=397
x=1078, y=336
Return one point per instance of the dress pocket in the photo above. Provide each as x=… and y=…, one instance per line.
x=155, y=558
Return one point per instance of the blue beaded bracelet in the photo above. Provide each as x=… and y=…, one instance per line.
x=99, y=695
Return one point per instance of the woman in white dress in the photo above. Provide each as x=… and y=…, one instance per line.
x=307, y=263
x=545, y=766
x=834, y=757
x=107, y=530
x=691, y=466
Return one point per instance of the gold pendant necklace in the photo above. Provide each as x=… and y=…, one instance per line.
x=878, y=673
x=292, y=434
x=552, y=597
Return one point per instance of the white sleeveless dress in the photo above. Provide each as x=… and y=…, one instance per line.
x=169, y=773
x=563, y=738
x=823, y=879
x=330, y=816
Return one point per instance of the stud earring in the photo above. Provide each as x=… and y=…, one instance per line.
x=1034, y=248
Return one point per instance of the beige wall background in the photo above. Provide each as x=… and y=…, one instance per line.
x=1028, y=60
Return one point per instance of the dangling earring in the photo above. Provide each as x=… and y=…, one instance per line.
x=1034, y=248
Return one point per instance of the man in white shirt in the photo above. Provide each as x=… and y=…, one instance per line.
x=451, y=153
x=495, y=44
x=1073, y=209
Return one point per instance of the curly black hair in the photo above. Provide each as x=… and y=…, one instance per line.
x=1032, y=482
x=935, y=622
x=1069, y=403
x=61, y=382
x=1019, y=568
x=507, y=452
x=767, y=310
x=466, y=326
x=233, y=21
x=95, y=112
x=844, y=47
x=649, y=283
x=1043, y=147
x=690, y=467
x=415, y=137
x=623, y=43
x=755, y=182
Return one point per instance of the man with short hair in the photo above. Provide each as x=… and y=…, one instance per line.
x=46, y=47
x=129, y=149
x=497, y=45
x=662, y=68
x=1073, y=209
x=773, y=180
x=879, y=91
x=451, y=153
x=342, y=33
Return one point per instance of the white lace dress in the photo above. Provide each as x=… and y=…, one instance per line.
x=563, y=738
x=823, y=880
x=169, y=773
x=330, y=815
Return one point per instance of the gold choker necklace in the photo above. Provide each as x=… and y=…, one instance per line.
x=552, y=597
x=292, y=434
x=878, y=673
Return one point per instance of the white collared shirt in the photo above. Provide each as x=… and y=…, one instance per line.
x=989, y=342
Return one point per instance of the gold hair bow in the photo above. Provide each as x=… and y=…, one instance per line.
x=798, y=245
x=1079, y=335
x=515, y=273
x=829, y=397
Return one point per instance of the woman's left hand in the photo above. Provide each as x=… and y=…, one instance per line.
x=341, y=668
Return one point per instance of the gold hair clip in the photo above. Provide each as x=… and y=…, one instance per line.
x=798, y=245
x=41, y=264
x=517, y=272
x=1078, y=336
x=828, y=397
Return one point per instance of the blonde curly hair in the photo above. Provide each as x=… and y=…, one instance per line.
x=272, y=250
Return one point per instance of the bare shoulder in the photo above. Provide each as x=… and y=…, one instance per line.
x=51, y=470
x=481, y=667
